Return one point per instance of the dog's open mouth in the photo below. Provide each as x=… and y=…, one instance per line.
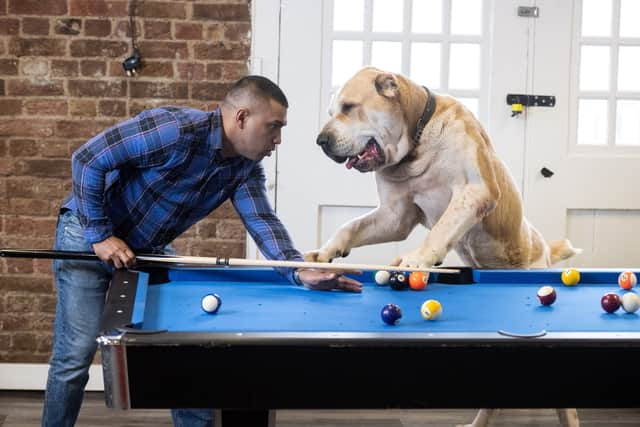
x=368, y=159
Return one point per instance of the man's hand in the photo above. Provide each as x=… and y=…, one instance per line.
x=115, y=252
x=323, y=280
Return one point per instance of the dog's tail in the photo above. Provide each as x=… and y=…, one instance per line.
x=561, y=250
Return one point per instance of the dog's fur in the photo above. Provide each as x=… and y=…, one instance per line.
x=450, y=180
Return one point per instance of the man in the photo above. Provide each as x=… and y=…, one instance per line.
x=139, y=185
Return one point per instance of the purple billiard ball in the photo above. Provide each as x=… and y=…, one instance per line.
x=610, y=302
x=391, y=314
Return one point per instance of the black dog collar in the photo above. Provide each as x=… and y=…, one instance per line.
x=429, y=109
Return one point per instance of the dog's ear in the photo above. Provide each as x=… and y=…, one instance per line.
x=387, y=85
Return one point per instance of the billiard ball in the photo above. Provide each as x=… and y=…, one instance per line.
x=630, y=302
x=398, y=281
x=431, y=310
x=381, y=277
x=418, y=280
x=570, y=276
x=391, y=314
x=627, y=280
x=211, y=303
x=610, y=302
x=546, y=295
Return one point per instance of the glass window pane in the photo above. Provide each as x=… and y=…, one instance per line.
x=348, y=15
x=592, y=122
x=594, y=68
x=387, y=16
x=471, y=104
x=426, y=16
x=464, y=66
x=596, y=17
x=387, y=56
x=466, y=16
x=628, y=123
x=629, y=13
x=347, y=59
x=425, y=64
x=629, y=68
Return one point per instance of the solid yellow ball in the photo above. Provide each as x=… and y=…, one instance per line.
x=431, y=310
x=570, y=276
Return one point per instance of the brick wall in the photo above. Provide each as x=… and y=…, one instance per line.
x=61, y=82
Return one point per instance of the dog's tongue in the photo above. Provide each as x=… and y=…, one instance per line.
x=351, y=161
x=369, y=151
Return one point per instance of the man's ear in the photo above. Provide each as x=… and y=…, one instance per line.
x=241, y=117
x=387, y=85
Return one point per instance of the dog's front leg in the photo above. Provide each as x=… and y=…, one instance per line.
x=468, y=206
x=388, y=222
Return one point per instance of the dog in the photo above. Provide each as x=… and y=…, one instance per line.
x=434, y=165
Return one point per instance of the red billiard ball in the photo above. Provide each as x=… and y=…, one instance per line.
x=418, y=280
x=546, y=295
x=610, y=302
x=391, y=314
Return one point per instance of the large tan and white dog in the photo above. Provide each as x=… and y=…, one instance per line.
x=443, y=174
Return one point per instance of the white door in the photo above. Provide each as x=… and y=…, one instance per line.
x=478, y=51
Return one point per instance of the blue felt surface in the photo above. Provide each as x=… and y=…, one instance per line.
x=260, y=301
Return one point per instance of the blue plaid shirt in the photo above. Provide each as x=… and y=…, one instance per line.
x=148, y=179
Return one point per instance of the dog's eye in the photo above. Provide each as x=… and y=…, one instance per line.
x=347, y=107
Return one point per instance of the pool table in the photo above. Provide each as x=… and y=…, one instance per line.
x=273, y=345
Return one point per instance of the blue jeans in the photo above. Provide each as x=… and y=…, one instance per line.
x=81, y=288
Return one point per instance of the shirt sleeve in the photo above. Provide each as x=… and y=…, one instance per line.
x=140, y=142
x=251, y=201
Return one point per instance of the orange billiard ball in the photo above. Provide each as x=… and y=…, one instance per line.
x=627, y=280
x=418, y=280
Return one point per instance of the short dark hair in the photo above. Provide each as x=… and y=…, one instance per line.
x=258, y=86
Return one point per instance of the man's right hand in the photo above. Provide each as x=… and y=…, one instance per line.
x=115, y=252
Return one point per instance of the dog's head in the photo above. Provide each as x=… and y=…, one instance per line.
x=367, y=126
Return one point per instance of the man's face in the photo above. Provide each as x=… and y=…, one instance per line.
x=261, y=130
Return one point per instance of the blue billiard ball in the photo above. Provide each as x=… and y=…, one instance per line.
x=391, y=314
x=211, y=303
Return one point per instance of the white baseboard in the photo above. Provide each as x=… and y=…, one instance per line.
x=33, y=376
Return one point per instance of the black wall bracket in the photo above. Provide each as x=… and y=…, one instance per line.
x=531, y=100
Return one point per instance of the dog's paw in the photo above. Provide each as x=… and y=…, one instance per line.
x=324, y=255
x=419, y=258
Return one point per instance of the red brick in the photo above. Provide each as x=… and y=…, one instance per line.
x=226, y=71
x=82, y=107
x=9, y=26
x=68, y=26
x=26, y=127
x=37, y=47
x=53, y=148
x=221, y=51
x=206, y=228
x=47, y=107
x=226, y=210
x=3, y=11
x=174, y=50
x=101, y=48
x=2, y=90
x=35, y=26
x=7, y=168
x=221, y=12
x=8, y=67
x=44, y=167
x=98, y=8
x=155, y=9
x=190, y=71
x=156, y=69
x=237, y=31
x=38, y=7
x=37, y=88
x=188, y=31
x=79, y=128
x=97, y=88
x=42, y=266
x=112, y=108
x=35, y=67
x=62, y=68
x=47, y=303
x=25, y=283
x=157, y=30
x=3, y=152
x=123, y=29
x=93, y=68
x=18, y=266
x=23, y=341
x=29, y=227
x=10, y=107
x=216, y=248
x=97, y=27
x=209, y=91
x=20, y=206
x=158, y=90
x=22, y=304
x=23, y=148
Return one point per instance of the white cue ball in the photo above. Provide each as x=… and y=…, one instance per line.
x=630, y=302
x=382, y=277
x=211, y=303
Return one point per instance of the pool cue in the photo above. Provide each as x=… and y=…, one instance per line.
x=213, y=261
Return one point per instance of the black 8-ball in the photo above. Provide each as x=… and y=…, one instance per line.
x=398, y=281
